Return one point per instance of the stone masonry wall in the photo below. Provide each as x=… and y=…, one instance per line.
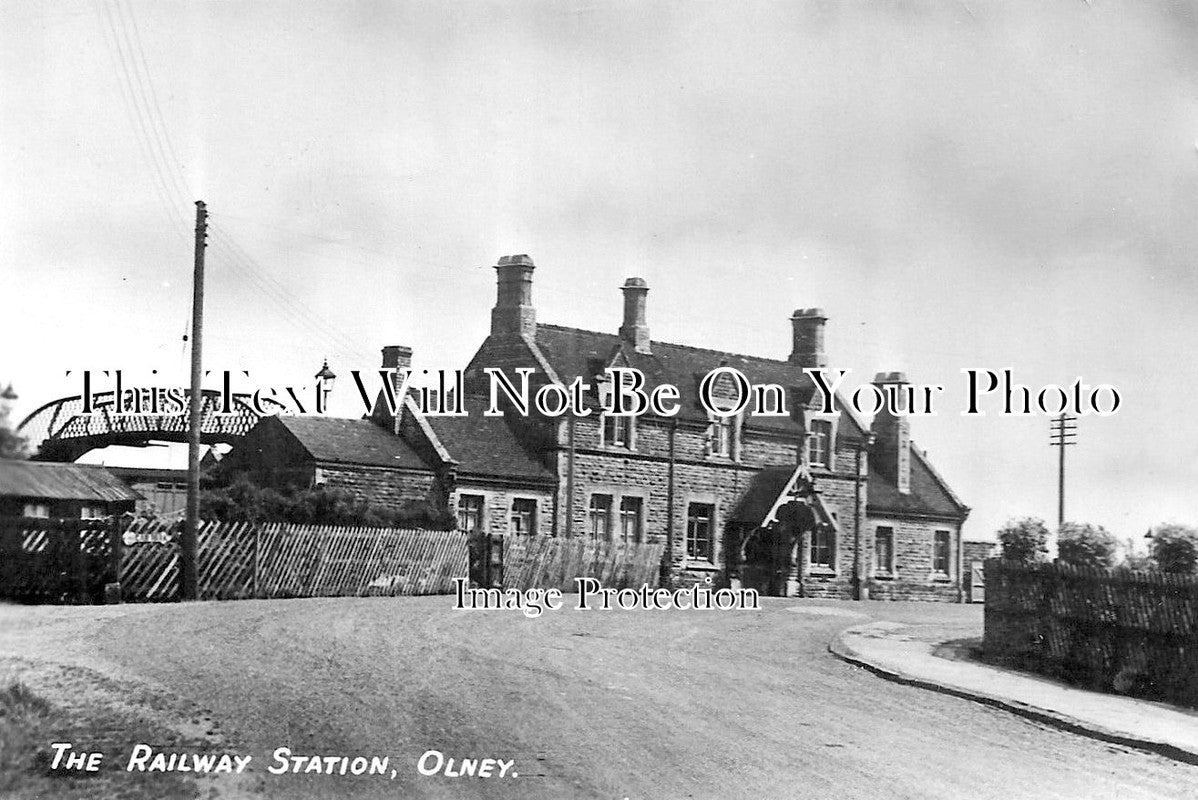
x=913, y=577
x=391, y=488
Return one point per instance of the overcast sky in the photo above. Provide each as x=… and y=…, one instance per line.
x=956, y=184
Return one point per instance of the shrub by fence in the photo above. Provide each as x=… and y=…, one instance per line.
x=548, y=562
x=1131, y=632
x=243, y=560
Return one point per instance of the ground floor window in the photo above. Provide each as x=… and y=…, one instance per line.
x=884, y=551
x=942, y=554
x=823, y=541
x=599, y=516
x=470, y=512
x=631, y=521
x=37, y=510
x=700, y=521
x=523, y=519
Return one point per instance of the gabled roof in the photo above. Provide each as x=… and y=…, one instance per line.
x=350, y=441
x=762, y=496
x=486, y=446
x=573, y=352
x=53, y=481
x=929, y=495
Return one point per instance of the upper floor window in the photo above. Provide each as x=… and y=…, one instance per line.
x=700, y=523
x=617, y=431
x=599, y=516
x=884, y=550
x=823, y=547
x=470, y=512
x=721, y=436
x=37, y=510
x=523, y=519
x=942, y=554
x=631, y=521
x=819, y=443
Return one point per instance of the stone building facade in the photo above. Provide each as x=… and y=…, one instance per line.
x=808, y=503
x=798, y=503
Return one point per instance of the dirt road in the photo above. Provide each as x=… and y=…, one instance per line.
x=587, y=705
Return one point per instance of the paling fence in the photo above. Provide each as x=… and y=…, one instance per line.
x=84, y=561
x=553, y=562
x=243, y=560
x=1131, y=632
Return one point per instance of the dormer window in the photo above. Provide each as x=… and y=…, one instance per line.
x=819, y=444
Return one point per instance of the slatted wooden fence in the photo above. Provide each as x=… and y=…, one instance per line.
x=553, y=562
x=1131, y=632
x=241, y=560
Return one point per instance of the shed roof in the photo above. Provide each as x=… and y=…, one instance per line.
x=54, y=481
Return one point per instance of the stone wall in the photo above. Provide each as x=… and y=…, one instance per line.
x=913, y=576
x=389, y=488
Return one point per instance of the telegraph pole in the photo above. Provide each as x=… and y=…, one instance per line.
x=1063, y=434
x=187, y=545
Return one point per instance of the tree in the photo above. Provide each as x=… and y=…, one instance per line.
x=1080, y=544
x=11, y=444
x=1024, y=541
x=1175, y=548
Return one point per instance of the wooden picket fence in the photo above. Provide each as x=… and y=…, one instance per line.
x=243, y=560
x=548, y=561
x=1131, y=632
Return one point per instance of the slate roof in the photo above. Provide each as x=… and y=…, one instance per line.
x=486, y=446
x=928, y=496
x=573, y=352
x=351, y=441
x=38, y=479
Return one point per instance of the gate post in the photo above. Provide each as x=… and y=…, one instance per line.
x=494, y=562
x=75, y=539
x=116, y=552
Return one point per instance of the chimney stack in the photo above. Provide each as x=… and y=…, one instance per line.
x=514, y=314
x=396, y=357
x=892, y=450
x=808, y=344
x=635, y=330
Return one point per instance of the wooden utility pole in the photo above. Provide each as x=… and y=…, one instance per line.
x=1063, y=434
x=187, y=546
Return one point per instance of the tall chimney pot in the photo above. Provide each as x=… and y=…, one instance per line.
x=514, y=314
x=808, y=338
x=635, y=329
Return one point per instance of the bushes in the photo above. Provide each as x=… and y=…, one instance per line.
x=1175, y=548
x=1024, y=541
x=244, y=501
x=1080, y=544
